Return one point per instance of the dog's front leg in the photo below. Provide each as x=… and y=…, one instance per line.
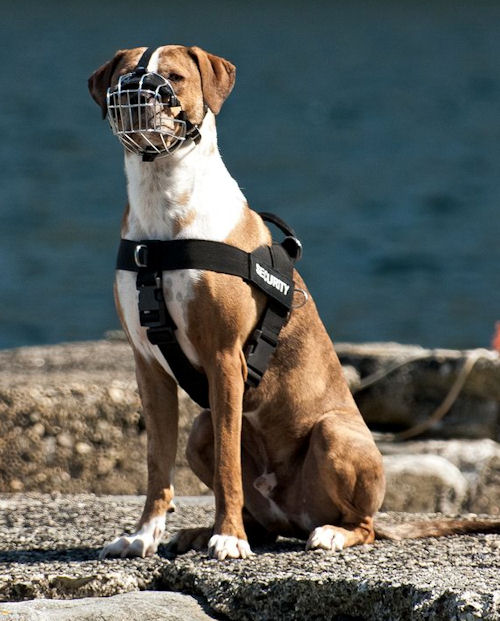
x=226, y=398
x=160, y=407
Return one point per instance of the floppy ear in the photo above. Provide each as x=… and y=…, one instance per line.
x=217, y=77
x=100, y=80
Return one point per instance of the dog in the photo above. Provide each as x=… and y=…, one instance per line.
x=290, y=457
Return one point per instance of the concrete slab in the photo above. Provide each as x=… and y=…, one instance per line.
x=49, y=546
x=133, y=606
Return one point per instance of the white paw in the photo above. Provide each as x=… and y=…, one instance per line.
x=227, y=546
x=142, y=543
x=325, y=538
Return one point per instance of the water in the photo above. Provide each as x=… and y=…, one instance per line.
x=372, y=127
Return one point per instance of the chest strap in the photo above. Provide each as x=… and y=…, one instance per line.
x=269, y=268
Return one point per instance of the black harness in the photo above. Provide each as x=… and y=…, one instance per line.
x=269, y=268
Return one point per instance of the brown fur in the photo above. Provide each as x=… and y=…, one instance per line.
x=305, y=408
x=158, y=393
x=435, y=528
x=293, y=454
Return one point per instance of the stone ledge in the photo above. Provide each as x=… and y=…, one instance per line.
x=49, y=546
x=70, y=421
x=133, y=606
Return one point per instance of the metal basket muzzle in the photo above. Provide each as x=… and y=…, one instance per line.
x=145, y=114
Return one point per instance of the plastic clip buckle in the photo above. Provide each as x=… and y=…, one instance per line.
x=161, y=336
x=260, y=349
x=152, y=312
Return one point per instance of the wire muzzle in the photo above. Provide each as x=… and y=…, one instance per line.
x=145, y=115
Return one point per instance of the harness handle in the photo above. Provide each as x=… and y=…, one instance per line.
x=291, y=243
x=277, y=221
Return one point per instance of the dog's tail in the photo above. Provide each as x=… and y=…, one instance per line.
x=386, y=529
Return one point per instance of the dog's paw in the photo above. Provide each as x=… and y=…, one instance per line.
x=228, y=546
x=189, y=539
x=325, y=538
x=142, y=543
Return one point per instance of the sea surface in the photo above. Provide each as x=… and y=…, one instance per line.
x=372, y=127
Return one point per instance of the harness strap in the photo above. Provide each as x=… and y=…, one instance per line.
x=264, y=339
x=268, y=268
x=182, y=254
x=179, y=254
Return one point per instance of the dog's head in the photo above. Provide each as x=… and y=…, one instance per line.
x=179, y=85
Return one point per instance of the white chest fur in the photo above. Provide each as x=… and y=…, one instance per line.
x=187, y=195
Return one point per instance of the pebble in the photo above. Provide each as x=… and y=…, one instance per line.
x=38, y=429
x=82, y=448
x=117, y=395
x=65, y=440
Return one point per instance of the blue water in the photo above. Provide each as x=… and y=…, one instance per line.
x=372, y=127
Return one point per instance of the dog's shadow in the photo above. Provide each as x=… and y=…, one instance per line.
x=39, y=555
x=83, y=554
x=282, y=546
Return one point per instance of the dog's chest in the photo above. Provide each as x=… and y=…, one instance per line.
x=179, y=289
x=154, y=215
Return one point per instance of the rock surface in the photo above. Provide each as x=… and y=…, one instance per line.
x=133, y=606
x=423, y=483
x=49, y=546
x=410, y=382
x=70, y=421
x=442, y=475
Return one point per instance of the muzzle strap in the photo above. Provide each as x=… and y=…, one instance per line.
x=142, y=65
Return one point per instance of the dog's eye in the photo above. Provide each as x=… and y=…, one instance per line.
x=174, y=77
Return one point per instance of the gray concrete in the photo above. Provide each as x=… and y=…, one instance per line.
x=133, y=606
x=49, y=546
x=70, y=421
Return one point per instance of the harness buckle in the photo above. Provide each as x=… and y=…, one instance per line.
x=261, y=334
x=161, y=335
x=261, y=347
x=141, y=255
x=253, y=376
x=152, y=310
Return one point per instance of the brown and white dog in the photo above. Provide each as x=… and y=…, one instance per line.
x=291, y=457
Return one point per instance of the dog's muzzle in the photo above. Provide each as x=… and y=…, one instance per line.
x=145, y=115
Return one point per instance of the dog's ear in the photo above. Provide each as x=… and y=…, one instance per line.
x=217, y=77
x=100, y=80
